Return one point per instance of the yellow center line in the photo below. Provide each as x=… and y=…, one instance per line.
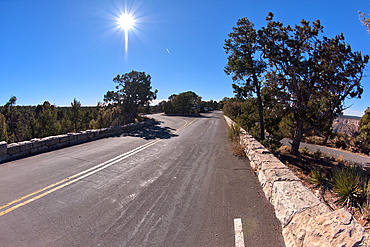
x=76, y=177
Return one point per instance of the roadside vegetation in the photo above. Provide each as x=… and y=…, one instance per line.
x=291, y=82
x=334, y=181
x=234, y=137
x=186, y=103
x=133, y=95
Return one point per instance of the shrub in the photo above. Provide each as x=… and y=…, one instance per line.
x=237, y=149
x=341, y=144
x=234, y=132
x=317, y=177
x=349, y=184
x=305, y=150
x=317, y=154
x=340, y=159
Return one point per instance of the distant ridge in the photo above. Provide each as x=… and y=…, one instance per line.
x=347, y=125
x=349, y=117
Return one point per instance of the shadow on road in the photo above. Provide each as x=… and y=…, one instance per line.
x=152, y=132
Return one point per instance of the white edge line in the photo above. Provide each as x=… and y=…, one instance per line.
x=239, y=236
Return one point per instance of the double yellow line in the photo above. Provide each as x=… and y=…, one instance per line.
x=81, y=175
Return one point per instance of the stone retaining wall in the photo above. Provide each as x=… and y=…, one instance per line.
x=35, y=146
x=305, y=220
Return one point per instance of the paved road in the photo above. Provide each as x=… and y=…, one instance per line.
x=172, y=184
x=347, y=156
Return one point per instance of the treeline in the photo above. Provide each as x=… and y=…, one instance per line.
x=120, y=107
x=186, y=103
x=290, y=80
x=133, y=94
x=21, y=123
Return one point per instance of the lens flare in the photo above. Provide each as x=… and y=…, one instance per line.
x=126, y=22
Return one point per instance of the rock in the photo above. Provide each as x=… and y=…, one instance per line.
x=336, y=228
x=3, y=148
x=13, y=148
x=268, y=177
x=37, y=143
x=290, y=198
x=25, y=146
x=298, y=225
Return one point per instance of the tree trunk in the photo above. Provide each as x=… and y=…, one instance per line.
x=260, y=112
x=259, y=102
x=297, y=138
x=130, y=117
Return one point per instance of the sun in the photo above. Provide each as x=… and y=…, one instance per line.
x=126, y=22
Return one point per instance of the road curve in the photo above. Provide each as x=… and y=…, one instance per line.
x=172, y=184
x=352, y=157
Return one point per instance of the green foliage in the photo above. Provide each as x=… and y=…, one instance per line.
x=364, y=21
x=244, y=65
x=234, y=132
x=184, y=103
x=313, y=74
x=3, y=129
x=349, y=184
x=287, y=127
x=232, y=108
x=317, y=154
x=305, y=150
x=75, y=115
x=340, y=144
x=134, y=90
x=317, y=177
x=364, y=137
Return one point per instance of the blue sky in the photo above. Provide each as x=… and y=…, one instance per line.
x=64, y=49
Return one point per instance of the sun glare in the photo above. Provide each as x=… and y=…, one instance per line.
x=126, y=22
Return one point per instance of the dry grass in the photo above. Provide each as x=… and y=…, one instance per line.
x=237, y=149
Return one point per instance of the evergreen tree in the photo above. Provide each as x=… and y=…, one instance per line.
x=364, y=137
x=314, y=74
x=75, y=115
x=3, y=129
x=133, y=90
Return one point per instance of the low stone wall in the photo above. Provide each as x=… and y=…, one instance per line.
x=305, y=220
x=35, y=146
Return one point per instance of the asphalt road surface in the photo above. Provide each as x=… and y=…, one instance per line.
x=175, y=183
x=365, y=161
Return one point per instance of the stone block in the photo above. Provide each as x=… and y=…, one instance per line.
x=82, y=136
x=274, y=175
x=3, y=148
x=260, y=158
x=299, y=223
x=89, y=134
x=289, y=238
x=17, y=155
x=63, y=138
x=51, y=140
x=25, y=146
x=34, y=151
x=96, y=133
x=272, y=165
x=337, y=228
x=36, y=143
x=13, y=148
x=290, y=198
x=42, y=149
x=4, y=158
